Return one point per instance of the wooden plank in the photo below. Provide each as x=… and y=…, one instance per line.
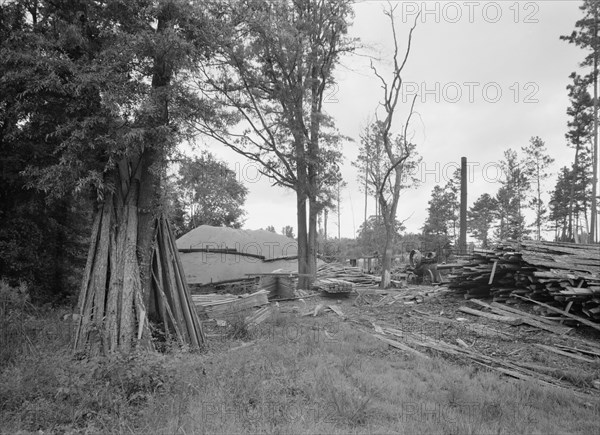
x=526, y=318
x=400, y=346
x=493, y=272
x=223, y=309
x=559, y=311
x=554, y=327
x=504, y=319
x=587, y=352
x=562, y=352
x=336, y=310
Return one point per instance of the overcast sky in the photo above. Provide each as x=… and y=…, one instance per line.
x=489, y=76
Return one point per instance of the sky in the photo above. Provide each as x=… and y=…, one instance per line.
x=488, y=76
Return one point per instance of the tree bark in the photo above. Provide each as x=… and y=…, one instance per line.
x=303, y=271
x=304, y=281
x=113, y=313
x=313, y=212
x=593, y=221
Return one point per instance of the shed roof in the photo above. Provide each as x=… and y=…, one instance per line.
x=255, y=242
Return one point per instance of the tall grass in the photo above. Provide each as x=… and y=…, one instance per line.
x=299, y=375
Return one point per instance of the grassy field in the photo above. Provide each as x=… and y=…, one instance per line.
x=290, y=375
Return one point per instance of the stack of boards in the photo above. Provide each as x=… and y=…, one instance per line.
x=564, y=274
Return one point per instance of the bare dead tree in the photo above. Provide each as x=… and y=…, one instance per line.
x=388, y=193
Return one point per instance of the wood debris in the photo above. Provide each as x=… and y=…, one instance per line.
x=259, y=316
x=337, y=310
x=410, y=343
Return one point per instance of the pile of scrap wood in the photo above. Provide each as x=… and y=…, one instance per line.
x=216, y=306
x=564, y=274
x=417, y=344
x=405, y=296
x=334, y=286
x=346, y=273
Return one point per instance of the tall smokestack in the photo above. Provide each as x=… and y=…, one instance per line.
x=463, y=206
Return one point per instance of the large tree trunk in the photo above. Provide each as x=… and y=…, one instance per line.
x=389, y=220
x=572, y=190
x=594, y=223
x=313, y=172
x=312, y=238
x=114, y=315
x=149, y=187
x=304, y=281
x=386, y=261
x=303, y=270
x=325, y=216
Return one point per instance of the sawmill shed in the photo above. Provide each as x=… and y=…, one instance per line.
x=212, y=255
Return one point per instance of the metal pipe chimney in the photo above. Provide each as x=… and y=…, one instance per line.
x=463, y=206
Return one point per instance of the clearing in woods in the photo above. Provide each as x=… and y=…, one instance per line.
x=402, y=361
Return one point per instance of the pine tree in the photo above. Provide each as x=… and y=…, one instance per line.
x=511, y=196
x=586, y=36
x=579, y=137
x=560, y=205
x=482, y=214
x=537, y=162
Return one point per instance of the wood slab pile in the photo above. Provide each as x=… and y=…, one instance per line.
x=216, y=306
x=334, y=286
x=346, y=273
x=564, y=274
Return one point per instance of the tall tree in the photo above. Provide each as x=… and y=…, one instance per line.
x=482, y=214
x=585, y=36
x=397, y=149
x=272, y=75
x=371, y=163
x=114, y=71
x=510, y=196
x=560, y=205
x=436, y=231
x=452, y=191
x=43, y=232
x=579, y=137
x=371, y=237
x=288, y=231
x=211, y=192
x=537, y=162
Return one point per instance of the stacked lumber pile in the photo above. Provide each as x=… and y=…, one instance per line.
x=346, y=273
x=216, y=306
x=278, y=284
x=334, y=286
x=563, y=273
